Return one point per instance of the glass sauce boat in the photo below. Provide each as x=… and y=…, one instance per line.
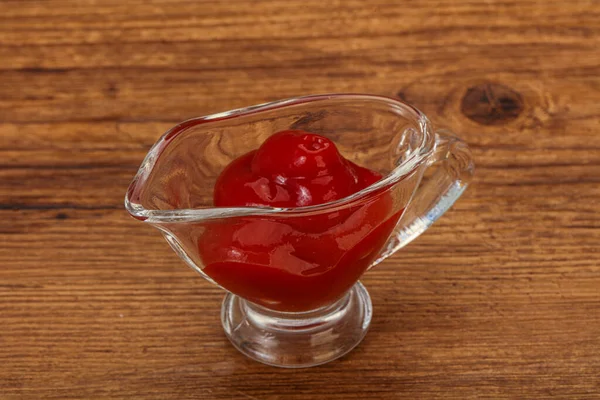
x=293, y=296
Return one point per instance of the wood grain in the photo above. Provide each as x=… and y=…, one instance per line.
x=500, y=299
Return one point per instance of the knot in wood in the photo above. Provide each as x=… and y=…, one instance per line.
x=492, y=104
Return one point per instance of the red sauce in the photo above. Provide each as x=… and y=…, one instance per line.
x=295, y=263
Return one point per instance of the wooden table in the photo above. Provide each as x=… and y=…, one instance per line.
x=500, y=299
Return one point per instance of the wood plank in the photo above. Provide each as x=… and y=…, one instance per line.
x=499, y=299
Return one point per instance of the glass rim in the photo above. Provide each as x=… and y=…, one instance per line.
x=397, y=174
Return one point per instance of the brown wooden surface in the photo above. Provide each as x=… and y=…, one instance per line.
x=500, y=299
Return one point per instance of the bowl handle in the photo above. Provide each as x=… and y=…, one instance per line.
x=453, y=170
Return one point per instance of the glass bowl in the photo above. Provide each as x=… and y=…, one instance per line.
x=291, y=274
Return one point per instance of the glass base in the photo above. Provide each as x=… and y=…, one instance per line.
x=297, y=340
